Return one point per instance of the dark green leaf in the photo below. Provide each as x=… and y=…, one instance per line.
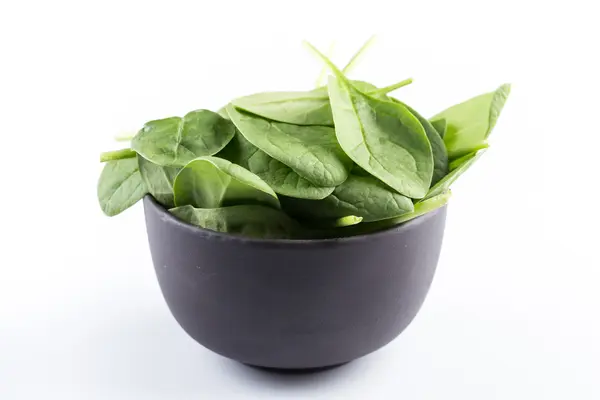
x=248, y=220
x=383, y=138
x=440, y=126
x=440, y=156
x=299, y=108
x=120, y=186
x=281, y=178
x=212, y=182
x=175, y=141
x=311, y=151
x=158, y=180
x=421, y=208
x=361, y=196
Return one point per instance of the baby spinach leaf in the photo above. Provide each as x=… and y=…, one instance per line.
x=469, y=124
x=421, y=208
x=175, y=141
x=300, y=108
x=281, y=178
x=440, y=156
x=361, y=196
x=444, y=184
x=248, y=220
x=440, y=126
x=238, y=150
x=158, y=180
x=311, y=151
x=212, y=182
x=120, y=186
x=384, y=138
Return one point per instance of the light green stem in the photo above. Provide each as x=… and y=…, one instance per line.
x=324, y=69
x=353, y=61
x=117, y=155
x=391, y=88
x=347, y=221
x=326, y=60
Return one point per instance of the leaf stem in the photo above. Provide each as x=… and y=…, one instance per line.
x=347, y=221
x=324, y=68
x=326, y=60
x=117, y=155
x=353, y=61
x=391, y=88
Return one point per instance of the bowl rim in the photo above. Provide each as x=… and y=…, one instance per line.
x=167, y=217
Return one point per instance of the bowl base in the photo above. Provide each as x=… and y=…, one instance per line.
x=296, y=371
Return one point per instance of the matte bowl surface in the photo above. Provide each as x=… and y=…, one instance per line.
x=293, y=304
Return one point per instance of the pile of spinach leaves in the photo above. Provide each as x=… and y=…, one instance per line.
x=342, y=159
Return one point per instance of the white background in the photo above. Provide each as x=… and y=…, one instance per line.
x=513, y=312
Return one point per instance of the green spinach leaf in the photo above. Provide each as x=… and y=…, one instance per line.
x=469, y=124
x=440, y=155
x=311, y=151
x=248, y=220
x=120, y=186
x=360, y=196
x=175, y=141
x=383, y=137
x=299, y=108
x=421, y=208
x=158, y=180
x=282, y=179
x=440, y=126
x=212, y=182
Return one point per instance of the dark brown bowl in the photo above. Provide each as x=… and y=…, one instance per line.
x=293, y=304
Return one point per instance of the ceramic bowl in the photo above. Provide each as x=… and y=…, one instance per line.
x=293, y=304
